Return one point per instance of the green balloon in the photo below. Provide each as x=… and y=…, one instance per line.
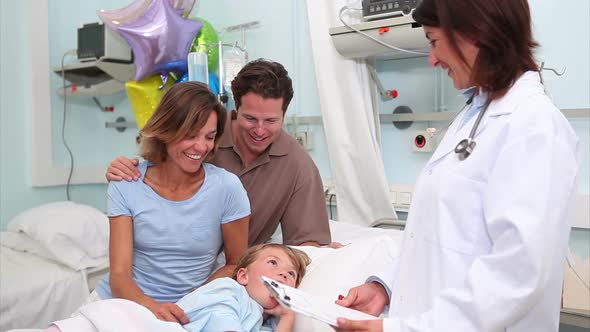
x=206, y=36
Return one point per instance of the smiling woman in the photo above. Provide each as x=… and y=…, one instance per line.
x=179, y=198
x=457, y=64
x=473, y=220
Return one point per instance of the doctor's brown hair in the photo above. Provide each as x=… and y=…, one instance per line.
x=500, y=28
x=299, y=259
x=184, y=109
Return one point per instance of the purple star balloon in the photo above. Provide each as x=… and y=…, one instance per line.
x=114, y=18
x=158, y=37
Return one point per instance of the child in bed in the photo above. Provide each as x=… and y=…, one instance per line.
x=240, y=303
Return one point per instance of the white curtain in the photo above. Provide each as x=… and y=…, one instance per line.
x=344, y=86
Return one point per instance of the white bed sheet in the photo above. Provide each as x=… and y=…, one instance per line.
x=347, y=233
x=35, y=291
x=334, y=271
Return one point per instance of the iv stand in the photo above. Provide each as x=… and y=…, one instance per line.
x=222, y=96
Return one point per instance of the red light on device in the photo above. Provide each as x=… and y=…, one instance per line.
x=393, y=94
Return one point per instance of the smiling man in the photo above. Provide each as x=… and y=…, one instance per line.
x=283, y=183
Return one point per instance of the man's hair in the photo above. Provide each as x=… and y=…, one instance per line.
x=184, y=108
x=299, y=259
x=500, y=28
x=265, y=78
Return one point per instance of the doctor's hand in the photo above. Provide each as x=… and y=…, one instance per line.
x=123, y=168
x=359, y=325
x=370, y=298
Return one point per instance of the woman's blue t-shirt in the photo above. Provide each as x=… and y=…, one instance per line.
x=176, y=243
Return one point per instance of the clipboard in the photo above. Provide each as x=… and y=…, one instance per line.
x=307, y=304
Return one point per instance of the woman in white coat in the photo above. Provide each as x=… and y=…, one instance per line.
x=488, y=229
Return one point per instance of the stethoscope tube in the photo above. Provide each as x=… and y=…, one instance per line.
x=467, y=145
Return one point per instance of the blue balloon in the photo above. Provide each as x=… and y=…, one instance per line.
x=183, y=78
x=213, y=82
x=178, y=66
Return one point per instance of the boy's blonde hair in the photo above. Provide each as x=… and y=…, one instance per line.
x=299, y=259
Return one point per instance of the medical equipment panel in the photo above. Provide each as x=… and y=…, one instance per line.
x=401, y=31
x=373, y=9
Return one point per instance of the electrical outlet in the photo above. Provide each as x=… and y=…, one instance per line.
x=405, y=198
x=401, y=196
x=304, y=139
x=423, y=141
x=393, y=197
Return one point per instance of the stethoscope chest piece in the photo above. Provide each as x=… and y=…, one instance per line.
x=465, y=148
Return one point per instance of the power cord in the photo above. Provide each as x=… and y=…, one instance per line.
x=63, y=124
x=568, y=259
x=371, y=37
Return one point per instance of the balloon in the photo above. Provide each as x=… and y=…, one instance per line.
x=114, y=18
x=173, y=68
x=183, y=78
x=207, y=35
x=214, y=83
x=157, y=37
x=145, y=96
x=185, y=5
x=178, y=66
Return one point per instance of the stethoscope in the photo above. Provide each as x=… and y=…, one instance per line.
x=465, y=148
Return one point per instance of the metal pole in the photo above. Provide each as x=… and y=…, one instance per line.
x=222, y=95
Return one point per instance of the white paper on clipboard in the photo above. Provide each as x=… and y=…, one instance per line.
x=311, y=306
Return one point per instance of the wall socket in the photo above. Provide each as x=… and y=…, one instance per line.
x=400, y=196
x=304, y=138
x=423, y=141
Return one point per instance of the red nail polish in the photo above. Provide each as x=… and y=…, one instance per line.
x=340, y=297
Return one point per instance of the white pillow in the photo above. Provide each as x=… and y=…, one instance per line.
x=334, y=271
x=73, y=234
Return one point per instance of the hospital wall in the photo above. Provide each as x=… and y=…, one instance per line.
x=283, y=36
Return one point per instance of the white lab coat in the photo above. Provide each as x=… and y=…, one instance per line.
x=486, y=237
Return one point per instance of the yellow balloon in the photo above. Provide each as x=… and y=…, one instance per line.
x=145, y=96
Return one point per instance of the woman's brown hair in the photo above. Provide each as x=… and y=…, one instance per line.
x=500, y=28
x=184, y=108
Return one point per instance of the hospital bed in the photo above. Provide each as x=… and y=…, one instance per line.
x=51, y=258
x=41, y=289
